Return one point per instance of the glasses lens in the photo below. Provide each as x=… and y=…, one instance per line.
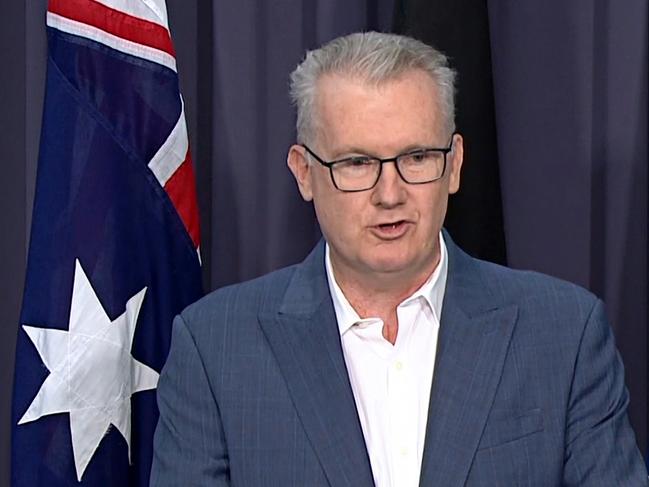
x=356, y=173
x=421, y=166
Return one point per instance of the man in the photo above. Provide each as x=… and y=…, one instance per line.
x=389, y=357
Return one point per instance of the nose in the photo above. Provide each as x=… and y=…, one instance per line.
x=390, y=189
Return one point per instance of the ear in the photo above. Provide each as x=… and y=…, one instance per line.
x=455, y=159
x=301, y=168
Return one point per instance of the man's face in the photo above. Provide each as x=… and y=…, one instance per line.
x=390, y=230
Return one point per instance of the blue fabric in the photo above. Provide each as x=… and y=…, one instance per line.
x=97, y=201
x=528, y=387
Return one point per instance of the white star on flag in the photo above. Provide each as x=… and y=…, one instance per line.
x=92, y=372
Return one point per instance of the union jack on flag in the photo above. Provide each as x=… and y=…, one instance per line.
x=114, y=250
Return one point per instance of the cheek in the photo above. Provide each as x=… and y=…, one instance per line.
x=340, y=217
x=439, y=205
x=331, y=213
x=440, y=214
x=433, y=210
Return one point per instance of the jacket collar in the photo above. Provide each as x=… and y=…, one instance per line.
x=305, y=341
x=475, y=332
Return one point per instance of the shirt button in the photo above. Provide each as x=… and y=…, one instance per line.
x=398, y=365
x=404, y=452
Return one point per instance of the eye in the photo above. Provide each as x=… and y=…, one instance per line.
x=417, y=157
x=357, y=162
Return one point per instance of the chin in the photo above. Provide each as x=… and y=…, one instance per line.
x=394, y=260
x=390, y=264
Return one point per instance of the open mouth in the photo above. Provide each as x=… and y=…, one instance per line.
x=391, y=226
x=391, y=230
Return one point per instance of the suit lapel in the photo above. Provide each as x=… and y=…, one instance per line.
x=475, y=331
x=305, y=341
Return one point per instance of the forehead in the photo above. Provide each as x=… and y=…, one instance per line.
x=394, y=114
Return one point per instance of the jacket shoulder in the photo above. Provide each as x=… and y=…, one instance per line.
x=547, y=306
x=525, y=284
x=243, y=300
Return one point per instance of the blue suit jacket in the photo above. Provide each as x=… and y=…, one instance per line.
x=528, y=388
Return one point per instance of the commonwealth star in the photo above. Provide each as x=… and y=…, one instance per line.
x=92, y=372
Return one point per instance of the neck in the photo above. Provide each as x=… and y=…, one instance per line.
x=379, y=294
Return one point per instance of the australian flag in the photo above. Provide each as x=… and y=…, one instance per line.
x=114, y=251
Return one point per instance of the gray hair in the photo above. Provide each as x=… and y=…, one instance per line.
x=375, y=58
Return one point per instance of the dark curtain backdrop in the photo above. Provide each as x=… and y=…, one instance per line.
x=474, y=217
x=22, y=57
x=570, y=98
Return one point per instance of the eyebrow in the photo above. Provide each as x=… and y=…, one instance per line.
x=355, y=151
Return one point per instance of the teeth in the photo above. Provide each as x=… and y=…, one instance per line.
x=390, y=225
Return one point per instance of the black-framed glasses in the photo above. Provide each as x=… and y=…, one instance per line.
x=360, y=173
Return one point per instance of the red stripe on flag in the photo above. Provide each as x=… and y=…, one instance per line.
x=181, y=188
x=114, y=22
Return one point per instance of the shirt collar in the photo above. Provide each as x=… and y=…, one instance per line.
x=432, y=291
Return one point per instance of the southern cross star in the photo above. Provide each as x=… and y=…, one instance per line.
x=92, y=372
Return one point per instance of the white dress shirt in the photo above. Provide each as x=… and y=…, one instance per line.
x=391, y=383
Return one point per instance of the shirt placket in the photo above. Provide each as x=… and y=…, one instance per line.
x=402, y=404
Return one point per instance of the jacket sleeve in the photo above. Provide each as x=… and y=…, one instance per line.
x=601, y=448
x=189, y=442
